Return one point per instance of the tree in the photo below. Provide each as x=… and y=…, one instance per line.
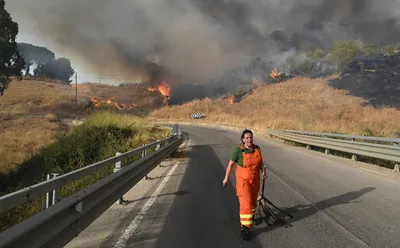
x=57, y=69
x=11, y=62
x=34, y=55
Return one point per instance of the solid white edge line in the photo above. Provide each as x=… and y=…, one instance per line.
x=136, y=222
x=382, y=174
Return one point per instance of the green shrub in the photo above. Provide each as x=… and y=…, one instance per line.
x=343, y=52
x=104, y=134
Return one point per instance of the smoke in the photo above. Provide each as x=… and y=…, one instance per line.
x=193, y=41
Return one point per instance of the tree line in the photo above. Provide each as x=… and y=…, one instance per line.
x=26, y=60
x=40, y=62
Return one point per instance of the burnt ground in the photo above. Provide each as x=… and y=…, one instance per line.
x=375, y=79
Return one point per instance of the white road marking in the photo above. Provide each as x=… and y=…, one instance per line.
x=374, y=172
x=135, y=223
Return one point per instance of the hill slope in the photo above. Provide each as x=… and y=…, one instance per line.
x=33, y=112
x=300, y=103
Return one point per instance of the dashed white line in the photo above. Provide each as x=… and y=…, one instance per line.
x=135, y=223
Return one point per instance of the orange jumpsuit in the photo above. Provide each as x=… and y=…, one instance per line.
x=248, y=184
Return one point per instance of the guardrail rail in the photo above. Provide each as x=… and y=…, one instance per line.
x=59, y=224
x=379, y=151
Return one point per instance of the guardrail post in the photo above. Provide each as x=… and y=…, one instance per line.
x=158, y=148
x=144, y=153
x=56, y=192
x=396, y=168
x=52, y=197
x=308, y=147
x=118, y=168
x=354, y=157
x=48, y=196
x=326, y=151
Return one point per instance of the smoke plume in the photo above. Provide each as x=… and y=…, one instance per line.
x=194, y=41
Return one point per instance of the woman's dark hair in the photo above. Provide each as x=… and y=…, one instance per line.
x=244, y=133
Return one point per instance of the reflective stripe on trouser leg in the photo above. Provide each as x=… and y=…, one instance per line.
x=246, y=209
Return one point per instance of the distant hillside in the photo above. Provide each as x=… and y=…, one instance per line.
x=300, y=103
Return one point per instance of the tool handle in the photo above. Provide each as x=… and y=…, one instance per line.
x=262, y=190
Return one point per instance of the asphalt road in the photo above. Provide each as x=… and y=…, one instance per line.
x=334, y=203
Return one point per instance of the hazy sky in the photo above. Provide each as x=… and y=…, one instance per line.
x=195, y=39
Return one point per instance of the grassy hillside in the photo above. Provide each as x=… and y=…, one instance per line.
x=300, y=103
x=27, y=111
x=99, y=138
x=33, y=112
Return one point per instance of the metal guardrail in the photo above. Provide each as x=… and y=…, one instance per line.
x=384, y=152
x=395, y=141
x=59, y=224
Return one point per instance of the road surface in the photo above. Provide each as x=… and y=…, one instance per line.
x=335, y=202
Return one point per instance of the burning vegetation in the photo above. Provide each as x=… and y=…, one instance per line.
x=165, y=91
x=121, y=106
x=275, y=75
x=125, y=94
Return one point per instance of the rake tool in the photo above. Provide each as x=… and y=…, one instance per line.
x=264, y=206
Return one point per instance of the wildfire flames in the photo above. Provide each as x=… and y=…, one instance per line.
x=275, y=74
x=164, y=89
x=231, y=99
x=121, y=106
x=95, y=102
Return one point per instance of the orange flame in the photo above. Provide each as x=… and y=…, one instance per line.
x=132, y=106
x=152, y=89
x=95, y=102
x=275, y=74
x=119, y=106
x=231, y=99
x=164, y=88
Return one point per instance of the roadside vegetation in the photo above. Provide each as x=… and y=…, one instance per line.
x=100, y=137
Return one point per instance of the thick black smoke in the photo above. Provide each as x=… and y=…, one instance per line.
x=196, y=41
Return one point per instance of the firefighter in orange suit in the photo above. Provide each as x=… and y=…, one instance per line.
x=248, y=158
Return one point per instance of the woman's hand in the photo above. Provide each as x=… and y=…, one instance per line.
x=225, y=182
x=264, y=174
x=228, y=172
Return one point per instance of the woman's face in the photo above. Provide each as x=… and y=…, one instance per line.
x=248, y=139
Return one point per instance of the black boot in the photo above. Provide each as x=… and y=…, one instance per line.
x=245, y=233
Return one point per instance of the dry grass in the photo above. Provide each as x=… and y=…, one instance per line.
x=301, y=104
x=21, y=137
x=134, y=94
x=36, y=97
x=24, y=127
x=29, y=112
